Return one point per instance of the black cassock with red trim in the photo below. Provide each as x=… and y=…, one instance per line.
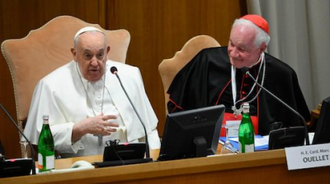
x=206, y=81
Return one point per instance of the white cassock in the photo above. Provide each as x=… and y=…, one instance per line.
x=68, y=98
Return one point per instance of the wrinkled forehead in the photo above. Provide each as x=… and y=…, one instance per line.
x=243, y=35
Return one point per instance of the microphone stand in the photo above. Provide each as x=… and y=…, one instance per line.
x=27, y=140
x=303, y=119
x=114, y=71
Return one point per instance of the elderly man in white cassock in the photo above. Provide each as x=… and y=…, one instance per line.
x=83, y=99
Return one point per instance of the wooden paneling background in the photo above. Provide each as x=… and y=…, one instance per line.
x=158, y=29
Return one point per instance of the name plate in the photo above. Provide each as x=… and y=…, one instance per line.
x=303, y=157
x=233, y=126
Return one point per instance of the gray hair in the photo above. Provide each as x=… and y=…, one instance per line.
x=261, y=36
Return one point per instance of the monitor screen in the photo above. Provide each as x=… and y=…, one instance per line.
x=191, y=133
x=322, y=130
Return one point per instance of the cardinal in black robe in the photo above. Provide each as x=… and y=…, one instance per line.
x=206, y=81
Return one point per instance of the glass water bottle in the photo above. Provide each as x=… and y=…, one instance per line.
x=246, y=131
x=46, y=149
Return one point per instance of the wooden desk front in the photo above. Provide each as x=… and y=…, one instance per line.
x=261, y=167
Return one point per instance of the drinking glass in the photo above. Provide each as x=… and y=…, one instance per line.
x=227, y=146
x=24, y=144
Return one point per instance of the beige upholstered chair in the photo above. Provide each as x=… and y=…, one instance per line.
x=168, y=68
x=45, y=49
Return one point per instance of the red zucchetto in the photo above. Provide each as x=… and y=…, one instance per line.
x=258, y=21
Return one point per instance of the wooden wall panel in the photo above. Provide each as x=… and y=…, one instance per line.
x=17, y=18
x=158, y=29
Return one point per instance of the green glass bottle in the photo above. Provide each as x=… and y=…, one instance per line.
x=46, y=148
x=246, y=131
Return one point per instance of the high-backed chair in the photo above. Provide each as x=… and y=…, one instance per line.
x=43, y=50
x=168, y=68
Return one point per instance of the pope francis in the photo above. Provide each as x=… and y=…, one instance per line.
x=85, y=102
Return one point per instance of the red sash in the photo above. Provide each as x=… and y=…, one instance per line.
x=230, y=117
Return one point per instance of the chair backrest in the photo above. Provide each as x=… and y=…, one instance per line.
x=43, y=50
x=168, y=68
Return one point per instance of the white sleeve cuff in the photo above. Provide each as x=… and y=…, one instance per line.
x=62, y=137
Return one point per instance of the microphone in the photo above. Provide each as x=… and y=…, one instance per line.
x=246, y=71
x=33, y=166
x=115, y=72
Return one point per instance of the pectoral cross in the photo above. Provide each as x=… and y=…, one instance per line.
x=99, y=138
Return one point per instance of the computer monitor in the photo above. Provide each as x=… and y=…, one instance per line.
x=191, y=133
x=322, y=130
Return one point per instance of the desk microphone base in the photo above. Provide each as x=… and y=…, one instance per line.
x=121, y=162
x=15, y=167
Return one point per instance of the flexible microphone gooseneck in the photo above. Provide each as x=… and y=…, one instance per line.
x=246, y=71
x=115, y=71
x=27, y=140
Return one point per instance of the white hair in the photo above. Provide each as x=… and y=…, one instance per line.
x=261, y=36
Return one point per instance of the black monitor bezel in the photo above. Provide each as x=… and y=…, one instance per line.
x=322, y=130
x=199, y=117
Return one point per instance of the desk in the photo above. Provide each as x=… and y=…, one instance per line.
x=260, y=167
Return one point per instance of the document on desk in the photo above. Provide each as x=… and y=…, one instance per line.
x=260, y=142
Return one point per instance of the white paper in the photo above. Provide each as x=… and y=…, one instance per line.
x=233, y=127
